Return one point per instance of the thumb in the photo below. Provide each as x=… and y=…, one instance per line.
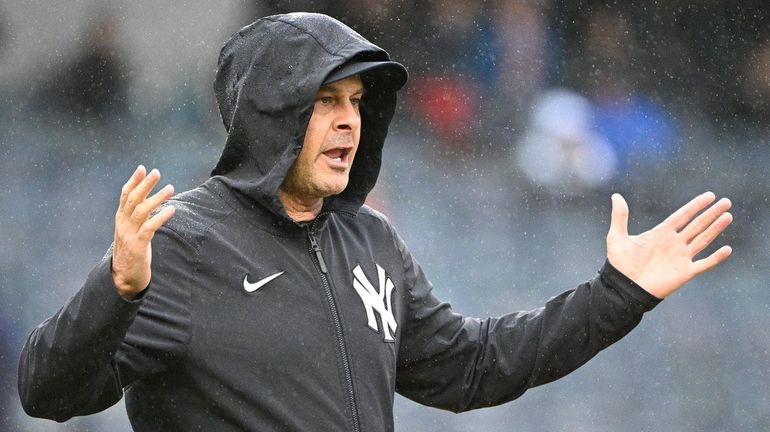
x=619, y=220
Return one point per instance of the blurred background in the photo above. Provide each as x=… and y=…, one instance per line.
x=520, y=119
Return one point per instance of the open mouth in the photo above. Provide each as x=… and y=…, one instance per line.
x=339, y=155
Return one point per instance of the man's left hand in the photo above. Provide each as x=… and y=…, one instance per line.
x=661, y=259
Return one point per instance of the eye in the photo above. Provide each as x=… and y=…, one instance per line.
x=356, y=101
x=325, y=100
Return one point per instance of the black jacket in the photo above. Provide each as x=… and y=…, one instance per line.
x=350, y=320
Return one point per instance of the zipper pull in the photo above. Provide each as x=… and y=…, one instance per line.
x=317, y=250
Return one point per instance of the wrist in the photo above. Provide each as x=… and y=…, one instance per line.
x=637, y=277
x=636, y=294
x=125, y=288
x=126, y=295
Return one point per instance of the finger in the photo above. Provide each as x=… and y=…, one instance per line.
x=139, y=173
x=149, y=228
x=139, y=194
x=705, y=219
x=681, y=217
x=713, y=260
x=619, y=219
x=707, y=236
x=143, y=210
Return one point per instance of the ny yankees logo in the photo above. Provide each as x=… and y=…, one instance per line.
x=376, y=300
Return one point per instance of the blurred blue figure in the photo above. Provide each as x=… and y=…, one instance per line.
x=640, y=131
x=466, y=40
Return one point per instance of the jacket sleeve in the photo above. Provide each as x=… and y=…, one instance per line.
x=78, y=361
x=456, y=363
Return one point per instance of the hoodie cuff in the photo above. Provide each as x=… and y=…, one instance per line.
x=634, y=293
x=105, y=295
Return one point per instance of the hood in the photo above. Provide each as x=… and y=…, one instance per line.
x=268, y=75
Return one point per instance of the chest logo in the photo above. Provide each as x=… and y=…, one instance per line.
x=251, y=287
x=376, y=300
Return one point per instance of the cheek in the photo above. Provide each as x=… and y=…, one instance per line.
x=310, y=146
x=315, y=135
x=358, y=144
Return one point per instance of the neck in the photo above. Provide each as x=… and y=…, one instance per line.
x=300, y=209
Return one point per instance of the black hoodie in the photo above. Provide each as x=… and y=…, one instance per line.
x=346, y=317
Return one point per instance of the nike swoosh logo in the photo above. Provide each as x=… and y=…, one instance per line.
x=251, y=287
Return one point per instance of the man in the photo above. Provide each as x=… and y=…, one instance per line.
x=273, y=299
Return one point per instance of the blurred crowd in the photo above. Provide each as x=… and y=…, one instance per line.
x=519, y=120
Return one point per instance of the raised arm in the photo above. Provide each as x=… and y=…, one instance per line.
x=457, y=363
x=66, y=366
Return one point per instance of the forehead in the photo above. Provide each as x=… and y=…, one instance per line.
x=352, y=85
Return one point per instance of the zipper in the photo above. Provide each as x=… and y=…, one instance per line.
x=315, y=250
x=319, y=257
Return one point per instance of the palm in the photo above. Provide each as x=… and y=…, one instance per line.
x=661, y=260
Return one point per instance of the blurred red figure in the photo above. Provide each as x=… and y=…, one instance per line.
x=447, y=106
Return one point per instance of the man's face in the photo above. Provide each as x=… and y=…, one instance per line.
x=331, y=140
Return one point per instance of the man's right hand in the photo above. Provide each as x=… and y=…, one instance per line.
x=134, y=229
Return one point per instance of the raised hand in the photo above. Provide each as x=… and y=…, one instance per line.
x=661, y=259
x=134, y=229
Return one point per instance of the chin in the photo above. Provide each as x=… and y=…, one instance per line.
x=334, y=187
x=338, y=190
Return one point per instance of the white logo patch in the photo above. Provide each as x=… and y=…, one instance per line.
x=251, y=287
x=375, y=300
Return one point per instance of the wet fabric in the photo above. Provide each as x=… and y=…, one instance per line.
x=343, y=316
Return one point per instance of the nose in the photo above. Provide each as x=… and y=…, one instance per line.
x=347, y=117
